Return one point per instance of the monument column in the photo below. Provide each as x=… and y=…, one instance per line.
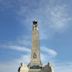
x=35, y=54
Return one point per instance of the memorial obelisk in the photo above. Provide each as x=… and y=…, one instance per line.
x=35, y=64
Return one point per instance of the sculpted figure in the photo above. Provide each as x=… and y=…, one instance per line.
x=20, y=67
x=49, y=68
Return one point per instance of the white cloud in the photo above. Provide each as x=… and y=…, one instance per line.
x=49, y=51
x=63, y=67
x=25, y=41
x=15, y=47
x=20, y=48
x=47, y=54
x=25, y=59
x=52, y=52
x=59, y=18
x=12, y=66
x=9, y=66
x=51, y=18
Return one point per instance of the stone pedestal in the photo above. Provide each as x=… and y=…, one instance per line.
x=34, y=70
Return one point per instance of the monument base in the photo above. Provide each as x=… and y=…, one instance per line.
x=34, y=70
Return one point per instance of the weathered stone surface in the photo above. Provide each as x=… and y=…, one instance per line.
x=35, y=64
x=47, y=68
x=35, y=56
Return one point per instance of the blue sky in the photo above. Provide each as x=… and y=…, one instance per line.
x=55, y=28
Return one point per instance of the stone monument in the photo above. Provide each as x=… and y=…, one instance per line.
x=35, y=64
